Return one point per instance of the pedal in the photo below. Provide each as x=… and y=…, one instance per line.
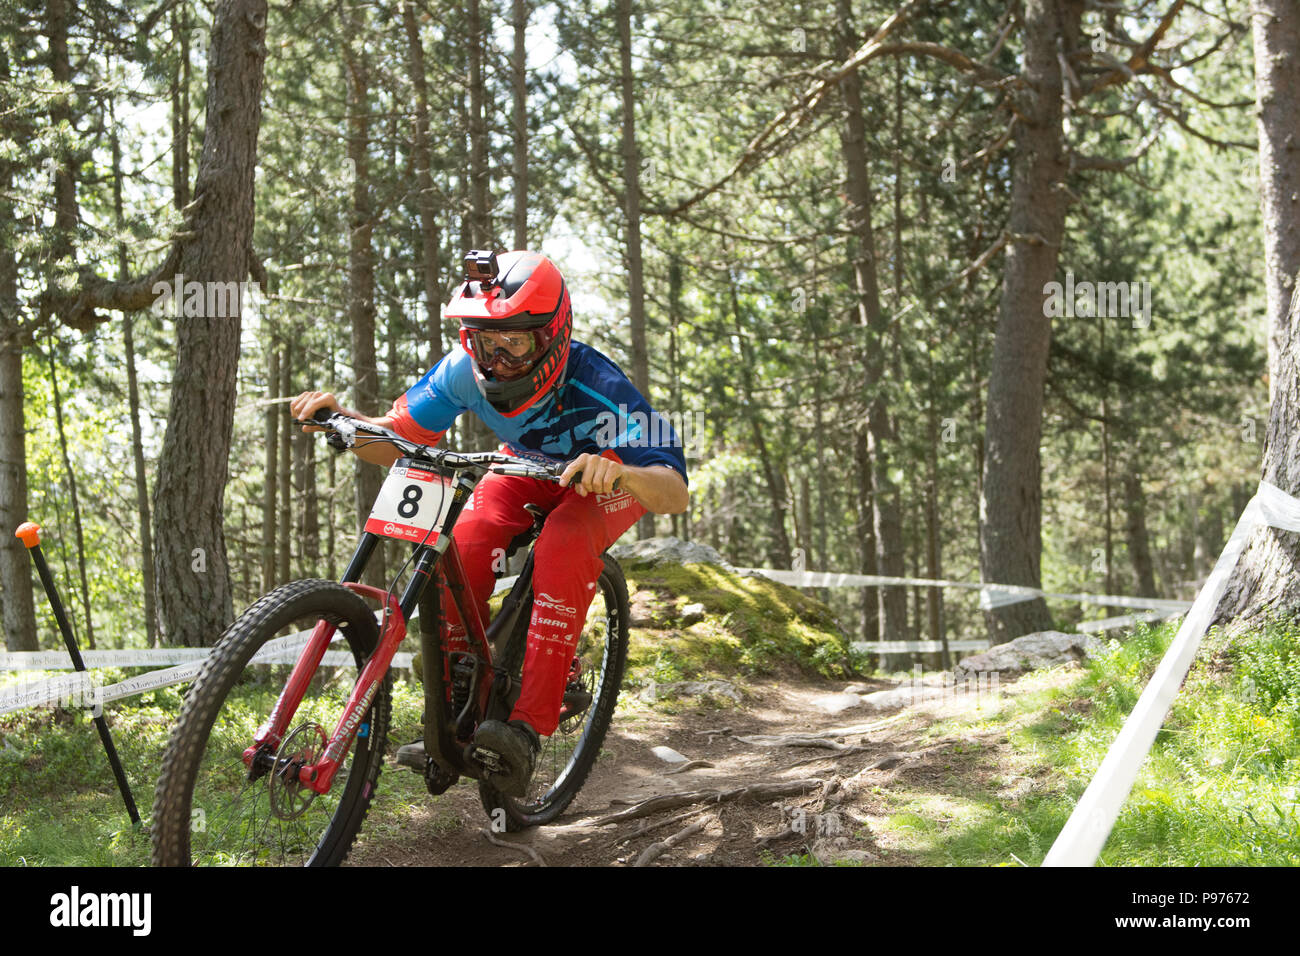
x=437, y=780
x=490, y=760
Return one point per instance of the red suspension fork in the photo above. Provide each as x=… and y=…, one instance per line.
x=320, y=775
x=272, y=732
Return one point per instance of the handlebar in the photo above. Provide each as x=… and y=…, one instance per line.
x=342, y=432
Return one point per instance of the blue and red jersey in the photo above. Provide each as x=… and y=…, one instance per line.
x=594, y=409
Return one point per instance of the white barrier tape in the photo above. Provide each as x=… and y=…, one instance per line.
x=892, y=647
x=80, y=685
x=1081, y=839
x=76, y=686
x=991, y=595
x=139, y=657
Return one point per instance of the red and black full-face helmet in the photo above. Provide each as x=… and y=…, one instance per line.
x=516, y=321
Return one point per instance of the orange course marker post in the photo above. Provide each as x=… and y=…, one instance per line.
x=30, y=534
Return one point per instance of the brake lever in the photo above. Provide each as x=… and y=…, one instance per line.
x=333, y=437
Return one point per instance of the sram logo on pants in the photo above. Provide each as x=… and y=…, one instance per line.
x=542, y=599
x=75, y=909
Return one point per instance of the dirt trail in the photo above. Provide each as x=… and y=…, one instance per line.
x=834, y=818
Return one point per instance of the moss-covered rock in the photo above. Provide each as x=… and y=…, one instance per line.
x=750, y=625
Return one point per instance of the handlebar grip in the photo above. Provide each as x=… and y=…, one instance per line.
x=322, y=415
x=576, y=479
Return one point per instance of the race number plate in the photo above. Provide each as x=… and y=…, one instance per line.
x=412, y=505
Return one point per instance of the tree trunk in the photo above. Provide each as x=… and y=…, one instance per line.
x=19, y=614
x=1135, y=532
x=866, y=535
x=283, y=474
x=193, y=574
x=1276, y=25
x=1266, y=577
x=1011, y=504
x=361, y=283
x=933, y=550
x=519, y=86
x=645, y=528
x=430, y=238
x=180, y=20
x=779, y=549
x=15, y=566
x=76, y=501
x=133, y=400
x=480, y=175
x=873, y=326
x=310, y=534
x=270, y=486
x=682, y=522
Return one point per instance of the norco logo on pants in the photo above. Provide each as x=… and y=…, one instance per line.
x=553, y=603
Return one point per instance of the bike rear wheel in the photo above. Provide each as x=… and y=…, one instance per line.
x=567, y=756
x=209, y=808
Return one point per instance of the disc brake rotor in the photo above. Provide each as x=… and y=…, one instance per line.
x=289, y=797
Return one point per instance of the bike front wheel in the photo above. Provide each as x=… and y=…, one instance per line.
x=567, y=756
x=212, y=809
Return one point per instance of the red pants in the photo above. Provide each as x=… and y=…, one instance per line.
x=566, y=565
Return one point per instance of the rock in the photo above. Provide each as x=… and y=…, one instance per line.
x=834, y=850
x=692, y=614
x=903, y=696
x=1028, y=653
x=837, y=703
x=691, y=688
x=667, y=755
x=655, y=551
x=857, y=689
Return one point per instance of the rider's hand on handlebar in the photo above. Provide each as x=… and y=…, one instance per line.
x=598, y=474
x=308, y=403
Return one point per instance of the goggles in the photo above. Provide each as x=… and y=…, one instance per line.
x=506, y=354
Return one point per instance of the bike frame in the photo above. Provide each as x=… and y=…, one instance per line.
x=438, y=564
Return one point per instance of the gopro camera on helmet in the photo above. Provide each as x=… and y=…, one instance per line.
x=481, y=266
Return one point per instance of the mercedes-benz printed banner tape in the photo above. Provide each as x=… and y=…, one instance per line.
x=80, y=686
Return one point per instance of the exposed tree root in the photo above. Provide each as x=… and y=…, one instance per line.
x=521, y=847
x=689, y=765
x=795, y=740
x=671, y=801
x=666, y=822
x=655, y=850
x=764, y=842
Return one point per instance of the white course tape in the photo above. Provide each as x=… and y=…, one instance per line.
x=991, y=595
x=80, y=687
x=139, y=657
x=1084, y=834
x=894, y=647
x=74, y=689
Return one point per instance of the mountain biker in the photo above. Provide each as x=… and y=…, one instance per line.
x=548, y=399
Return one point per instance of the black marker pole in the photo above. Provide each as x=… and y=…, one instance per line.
x=30, y=534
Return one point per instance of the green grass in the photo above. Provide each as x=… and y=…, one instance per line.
x=1219, y=787
x=59, y=803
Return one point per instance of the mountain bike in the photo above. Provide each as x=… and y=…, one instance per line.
x=252, y=775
